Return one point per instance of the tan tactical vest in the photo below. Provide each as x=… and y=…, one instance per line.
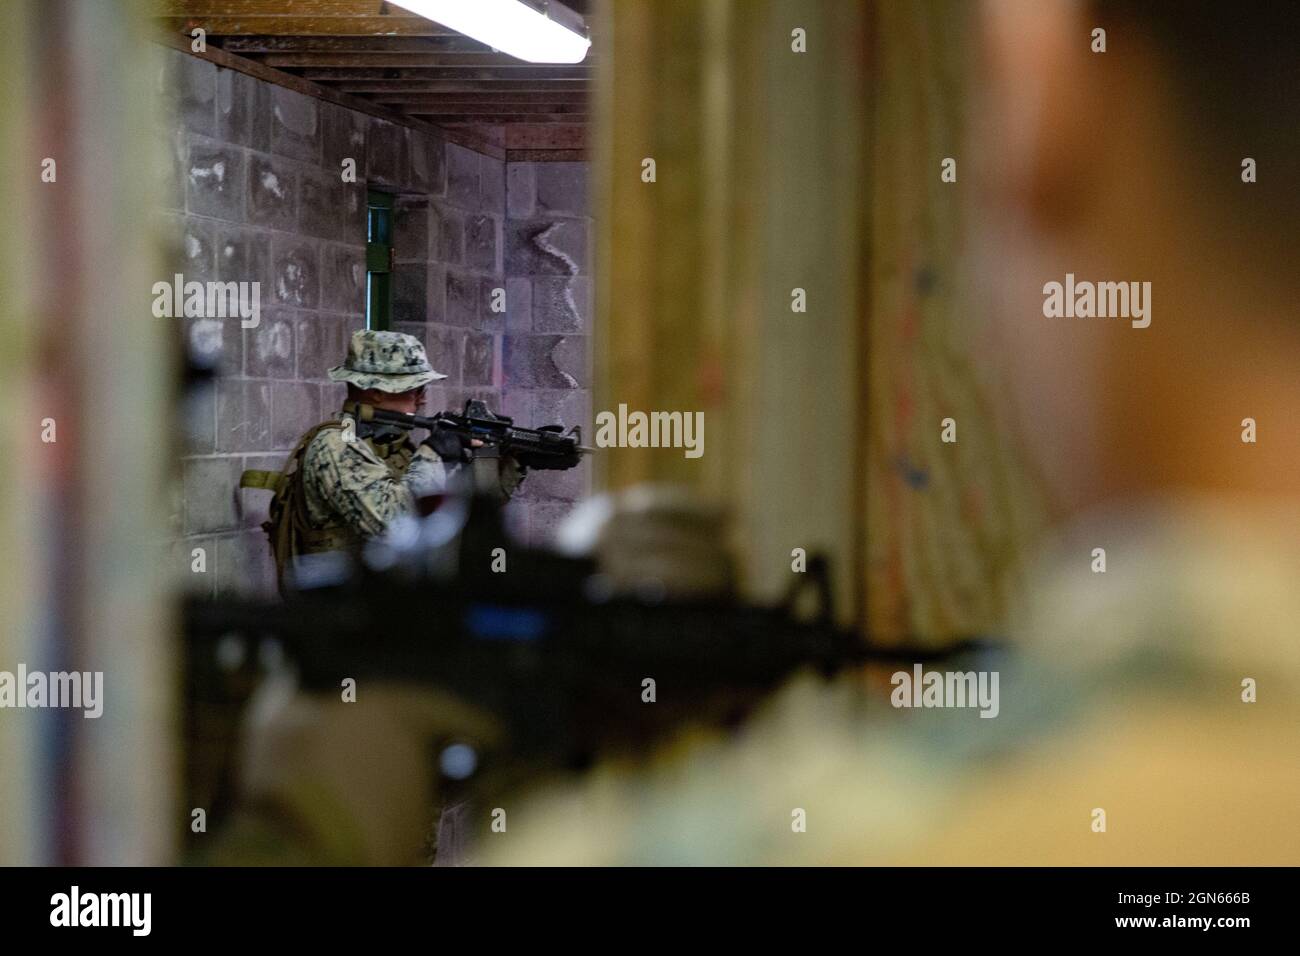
x=289, y=527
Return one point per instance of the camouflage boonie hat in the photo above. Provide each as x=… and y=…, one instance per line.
x=388, y=361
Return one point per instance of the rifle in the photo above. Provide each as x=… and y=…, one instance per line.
x=560, y=664
x=546, y=448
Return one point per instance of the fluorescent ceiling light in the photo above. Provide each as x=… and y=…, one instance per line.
x=510, y=26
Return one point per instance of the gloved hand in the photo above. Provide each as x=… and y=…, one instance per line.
x=448, y=445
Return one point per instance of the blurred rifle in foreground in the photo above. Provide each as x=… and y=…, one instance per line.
x=557, y=660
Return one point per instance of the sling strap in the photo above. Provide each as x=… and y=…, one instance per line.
x=288, y=529
x=268, y=480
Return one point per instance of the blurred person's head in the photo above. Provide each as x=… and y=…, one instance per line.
x=1127, y=166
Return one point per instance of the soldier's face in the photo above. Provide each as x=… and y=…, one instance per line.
x=409, y=403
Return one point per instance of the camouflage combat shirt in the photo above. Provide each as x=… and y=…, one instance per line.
x=365, y=483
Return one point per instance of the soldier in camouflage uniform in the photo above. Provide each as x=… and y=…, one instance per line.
x=346, y=480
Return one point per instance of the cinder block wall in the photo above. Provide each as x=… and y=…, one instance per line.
x=252, y=191
x=546, y=352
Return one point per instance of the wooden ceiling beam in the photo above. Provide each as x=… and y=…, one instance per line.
x=277, y=8
x=529, y=90
x=454, y=88
x=550, y=110
x=548, y=74
x=312, y=8
x=546, y=156
x=487, y=59
x=550, y=136
x=244, y=45
x=404, y=68
x=440, y=118
x=307, y=26
x=537, y=102
x=231, y=61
